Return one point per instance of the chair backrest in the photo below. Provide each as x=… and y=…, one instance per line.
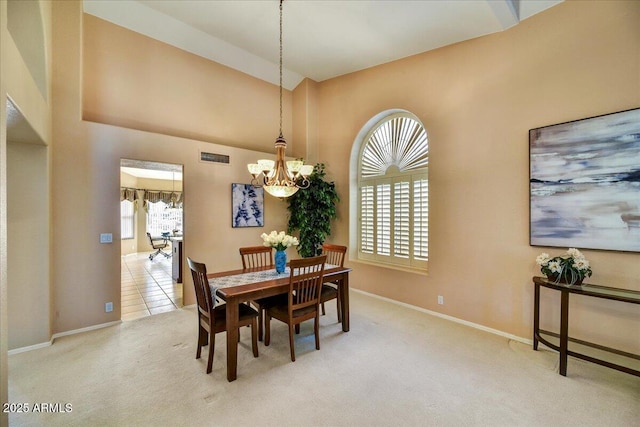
x=201, y=283
x=305, y=282
x=256, y=256
x=334, y=253
x=157, y=243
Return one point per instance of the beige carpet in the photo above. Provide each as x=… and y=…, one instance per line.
x=396, y=367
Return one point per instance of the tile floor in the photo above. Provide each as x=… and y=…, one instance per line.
x=147, y=287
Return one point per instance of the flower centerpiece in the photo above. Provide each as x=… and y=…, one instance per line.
x=280, y=241
x=570, y=268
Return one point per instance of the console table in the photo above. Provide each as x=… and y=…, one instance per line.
x=623, y=295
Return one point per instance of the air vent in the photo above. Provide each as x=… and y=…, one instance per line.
x=214, y=158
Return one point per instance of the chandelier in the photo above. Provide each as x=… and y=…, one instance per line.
x=280, y=178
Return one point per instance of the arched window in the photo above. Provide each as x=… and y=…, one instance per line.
x=393, y=193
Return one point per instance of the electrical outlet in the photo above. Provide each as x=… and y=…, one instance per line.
x=440, y=300
x=108, y=307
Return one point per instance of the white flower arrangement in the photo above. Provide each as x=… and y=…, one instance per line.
x=280, y=241
x=569, y=268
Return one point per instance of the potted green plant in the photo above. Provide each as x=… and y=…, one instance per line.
x=311, y=211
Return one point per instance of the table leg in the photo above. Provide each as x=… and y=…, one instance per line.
x=564, y=331
x=536, y=315
x=344, y=300
x=232, y=339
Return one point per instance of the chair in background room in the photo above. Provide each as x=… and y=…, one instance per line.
x=335, y=256
x=158, y=243
x=256, y=257
x=302, y=302
x=212, y=318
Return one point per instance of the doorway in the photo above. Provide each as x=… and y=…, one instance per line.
x=151, y=264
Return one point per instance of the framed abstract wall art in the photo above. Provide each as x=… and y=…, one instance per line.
x=247, y=206
x=584, y=182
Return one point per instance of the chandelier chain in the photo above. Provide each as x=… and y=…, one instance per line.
x=281, y=67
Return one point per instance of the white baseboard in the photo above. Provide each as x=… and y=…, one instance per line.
x=30, y=347
x=88, y=328
x=447, y=317
x=62, y=334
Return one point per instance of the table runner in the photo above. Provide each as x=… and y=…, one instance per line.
x=251, y=277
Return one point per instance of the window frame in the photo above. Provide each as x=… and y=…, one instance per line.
x=416, y=179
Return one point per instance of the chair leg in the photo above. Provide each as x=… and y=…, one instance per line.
x=260, y=322
x=297, y=328
x=293, y=350
x=212, y=345
x=323, y=312
x=254, y=338
x=200, y=341
x=316, y=331
x=339, y=307
x=267, y=329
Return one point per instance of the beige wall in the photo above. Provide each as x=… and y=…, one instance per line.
x=158, y=88
x=86, y=274
x=4, y=318
x=478, y=99
x=18, y=82
x=28, y=296
x=305, y=121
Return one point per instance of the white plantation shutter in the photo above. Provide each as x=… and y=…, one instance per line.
x=367, y=235
x=394, y=194
x=400, y=141
x=421, y=219
x=383, y=217
x=401, y=219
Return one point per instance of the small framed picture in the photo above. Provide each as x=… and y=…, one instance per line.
x=247, y=206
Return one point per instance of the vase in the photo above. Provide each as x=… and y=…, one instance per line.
x=568, y=278
x=281, y=261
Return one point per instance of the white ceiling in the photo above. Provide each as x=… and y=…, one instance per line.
x=153, y=170
x=152, y=174
x=321, y=39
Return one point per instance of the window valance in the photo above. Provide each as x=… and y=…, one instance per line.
x=151, y=196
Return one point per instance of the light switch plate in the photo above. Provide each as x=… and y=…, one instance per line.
x=106, y=238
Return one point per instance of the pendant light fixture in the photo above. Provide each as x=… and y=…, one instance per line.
x=173, y=204
x=280, y=178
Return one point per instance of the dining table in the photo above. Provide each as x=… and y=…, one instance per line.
x=236, y=287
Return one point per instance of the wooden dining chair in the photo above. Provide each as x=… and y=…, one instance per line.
x=255, y=257
x=335, y=256
x=212, y=318
x=302, y=302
